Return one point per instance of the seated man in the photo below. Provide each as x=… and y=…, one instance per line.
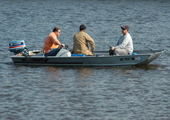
x=125, y=44
x=81, y=40
x=52, y=45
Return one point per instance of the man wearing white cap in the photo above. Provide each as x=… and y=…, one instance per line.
x=125, y=44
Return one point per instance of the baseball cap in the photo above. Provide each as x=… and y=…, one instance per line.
x=125, y=27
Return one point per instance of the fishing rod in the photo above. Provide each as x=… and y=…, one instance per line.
x=100, y=38
x=42, y=16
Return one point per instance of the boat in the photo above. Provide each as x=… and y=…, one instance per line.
x=65, y=58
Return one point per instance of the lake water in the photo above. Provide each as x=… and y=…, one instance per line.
x=85, y=93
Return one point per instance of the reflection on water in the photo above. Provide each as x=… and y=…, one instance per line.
x=84, y=72
x=53, y=72
x=151, y=67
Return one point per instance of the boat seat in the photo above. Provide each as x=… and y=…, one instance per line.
x=83, y=55
x=133, y=53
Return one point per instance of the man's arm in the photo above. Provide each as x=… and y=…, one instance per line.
x=124, y=43
x=55, y=40
x=90, y=40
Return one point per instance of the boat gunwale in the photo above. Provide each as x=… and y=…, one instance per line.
x=100, y=55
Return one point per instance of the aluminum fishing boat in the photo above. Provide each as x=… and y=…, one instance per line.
x=64, y=57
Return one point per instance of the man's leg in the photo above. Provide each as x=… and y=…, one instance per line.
x=121, y=52
x=53, y=52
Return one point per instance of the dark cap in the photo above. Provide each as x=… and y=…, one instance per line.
x=125, y=27
x=82, y=27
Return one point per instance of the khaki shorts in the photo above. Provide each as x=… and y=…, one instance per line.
x=120, y=52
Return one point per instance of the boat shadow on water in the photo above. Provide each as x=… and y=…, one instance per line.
x=142, y=67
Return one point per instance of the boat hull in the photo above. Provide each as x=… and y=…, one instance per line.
x=102, y=58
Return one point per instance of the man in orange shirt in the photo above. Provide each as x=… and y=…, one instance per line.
x=52, y=45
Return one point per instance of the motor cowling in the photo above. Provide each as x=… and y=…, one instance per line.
x=17, y=46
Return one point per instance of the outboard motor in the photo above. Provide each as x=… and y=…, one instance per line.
x=18, y=46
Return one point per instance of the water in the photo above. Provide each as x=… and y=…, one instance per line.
x=83, y=93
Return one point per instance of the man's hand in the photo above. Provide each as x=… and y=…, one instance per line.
x=62, y=45
x=111, y=48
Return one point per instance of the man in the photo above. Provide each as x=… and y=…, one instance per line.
x=81, y=40
x=52, y=45
x=125, y=44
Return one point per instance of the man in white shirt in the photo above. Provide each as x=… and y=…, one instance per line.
x=125, y=44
